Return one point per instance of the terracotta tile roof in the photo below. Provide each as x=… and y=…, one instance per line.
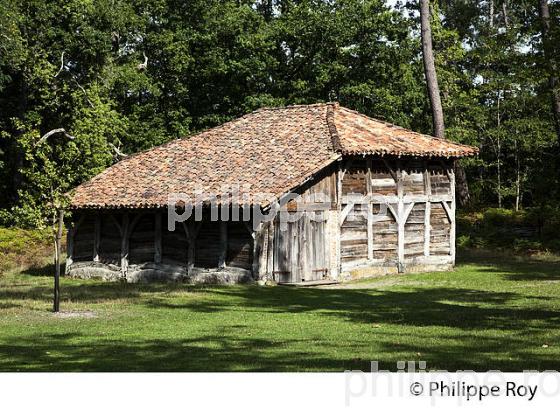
x=271, y=150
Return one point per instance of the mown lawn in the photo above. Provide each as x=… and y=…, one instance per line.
x=500, y=315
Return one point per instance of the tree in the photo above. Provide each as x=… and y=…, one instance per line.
x=548, y=48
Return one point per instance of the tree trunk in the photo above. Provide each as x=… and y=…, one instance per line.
x=18, y=156
x=461, y=186
x=551, y=65
x=430, y=69
x=57, y=251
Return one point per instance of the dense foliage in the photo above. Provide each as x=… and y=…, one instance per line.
x=124, y=75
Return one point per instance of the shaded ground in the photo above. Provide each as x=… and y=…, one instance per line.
x=483, y=316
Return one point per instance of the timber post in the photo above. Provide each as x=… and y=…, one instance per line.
x=223, y=244
x=157, y=238
x=124, y=245
x=427, y=210
x=96, y=237
x=400, y=219
x=58, y=239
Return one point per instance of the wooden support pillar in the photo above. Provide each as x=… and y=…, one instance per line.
x=270, y=250
x=452, y=232
x=124, y=245
x=157, y=238
x=427, y=210
x=69, y=249
x=223, y=244
x=369, y=210
x=96, y=237
x=258, y=250
x=400, y=221
x=427, y=228
x=339, y=177
x=191, y=233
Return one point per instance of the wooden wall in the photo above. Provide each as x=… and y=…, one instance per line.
x=411, y=206
x=128, y=239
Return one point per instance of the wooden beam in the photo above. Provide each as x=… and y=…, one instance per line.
x=157, y=238
x=448, y=211
x=96, y=237
x=391, y=170
x=117, y=224
x=407, y=208
x=124, y=245
x=345, y=212
x=134, y=222
x=393, y=199
x=446, y=169
x=394, y=210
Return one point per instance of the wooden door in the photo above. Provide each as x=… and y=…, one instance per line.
x=300, y=253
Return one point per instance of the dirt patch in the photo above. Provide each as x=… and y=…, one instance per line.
x=71, y=315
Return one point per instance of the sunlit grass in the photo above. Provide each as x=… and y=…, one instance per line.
x=499, y=315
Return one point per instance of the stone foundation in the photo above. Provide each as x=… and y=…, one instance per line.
x=418, y=265
x=152, y=272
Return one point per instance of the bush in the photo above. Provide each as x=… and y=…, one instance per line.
x=21, y=247
x=525, y=231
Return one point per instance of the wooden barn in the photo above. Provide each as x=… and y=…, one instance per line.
x=376, y=198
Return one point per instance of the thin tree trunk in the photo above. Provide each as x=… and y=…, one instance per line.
x=517, y=178
x=18, y=156
x=552, y=79
x=504, y=11
x=491, y=14
x=57, y=251
x=462, y=188
x=430, y=69
x=499, y=154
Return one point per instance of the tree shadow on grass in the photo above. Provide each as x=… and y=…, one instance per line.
x=66, y=352
x=227, y=351
x=445, y=307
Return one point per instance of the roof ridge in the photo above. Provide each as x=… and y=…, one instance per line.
x=403, y=128
x=333, y=132
x=285, y=107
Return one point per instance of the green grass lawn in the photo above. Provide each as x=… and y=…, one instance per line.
x=500, y=315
